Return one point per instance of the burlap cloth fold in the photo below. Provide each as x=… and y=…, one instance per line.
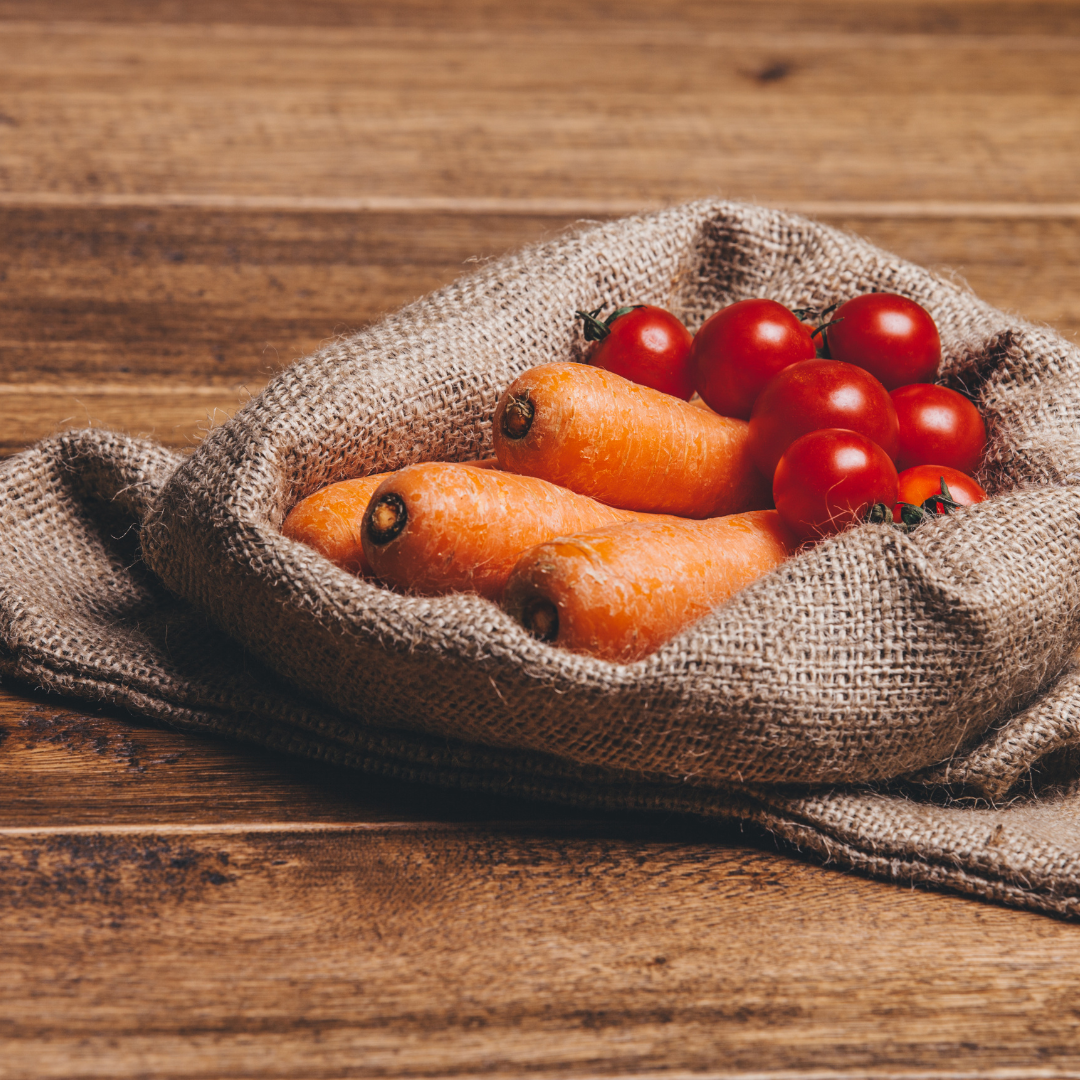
x=903, y=705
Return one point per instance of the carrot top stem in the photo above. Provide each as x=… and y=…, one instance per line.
x=388, y=518
x=541, y=619
x=518, y=417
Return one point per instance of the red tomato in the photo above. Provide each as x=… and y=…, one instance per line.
x=740, y=348
x=938, y=426
x=819, y=394
x=917, y=484
x=648, y=345
x=829, y=479
x=891, y=336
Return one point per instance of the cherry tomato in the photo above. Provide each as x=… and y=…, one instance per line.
x=938, y=426
x=891, y=336
x=819, y=394
x=919, y=483
x=740, y=348
x=829, y=479
x=647, y=345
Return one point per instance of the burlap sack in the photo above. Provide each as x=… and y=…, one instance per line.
x=935, y=666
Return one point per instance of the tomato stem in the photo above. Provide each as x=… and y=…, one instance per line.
x=595, y=330
x=823, y=328
x=819, y=314
x=911, y=516
x=821, y=317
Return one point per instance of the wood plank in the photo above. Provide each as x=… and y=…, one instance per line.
x=163, y=321
x=66, y=764
x=939, y=18
x=113, y=108
x=217, y=298
x=422, y=951
x=176, y=416
x=227, y=297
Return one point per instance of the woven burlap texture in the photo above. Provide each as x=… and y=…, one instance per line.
x=941, y=658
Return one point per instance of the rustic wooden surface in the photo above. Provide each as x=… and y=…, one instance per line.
x=192, y=195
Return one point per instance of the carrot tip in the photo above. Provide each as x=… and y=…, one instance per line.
x=518, y=417
x=387, y=518
x=541, y=619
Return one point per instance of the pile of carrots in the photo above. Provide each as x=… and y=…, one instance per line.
x=613, y=516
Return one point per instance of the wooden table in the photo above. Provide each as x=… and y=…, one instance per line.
x=192, y=195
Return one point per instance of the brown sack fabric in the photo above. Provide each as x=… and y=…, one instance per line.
x=936, y=666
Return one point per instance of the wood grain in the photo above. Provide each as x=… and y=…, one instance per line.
x=70, y=765
x=163, y=321
x=536, y=108
x=194, y=194
x=217, y=298
x=940, y=19
x=178, y=417
x=184, y=908
x=479, y=950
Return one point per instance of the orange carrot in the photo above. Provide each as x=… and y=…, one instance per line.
x=441, y=528
x=625, y=444
x=329, y=520
x=620, y=592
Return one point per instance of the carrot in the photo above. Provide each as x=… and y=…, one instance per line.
x=620, y=592
x=439, y=528
x=329, y=519
x=625, y=444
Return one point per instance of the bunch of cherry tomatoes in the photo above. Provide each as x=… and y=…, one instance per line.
x=842, y=413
